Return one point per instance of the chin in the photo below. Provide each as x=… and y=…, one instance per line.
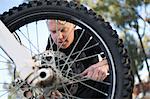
x=64, y=47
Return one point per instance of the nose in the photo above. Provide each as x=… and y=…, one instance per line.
x=60, y=35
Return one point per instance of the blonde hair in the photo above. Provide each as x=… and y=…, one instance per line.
x=57, y=21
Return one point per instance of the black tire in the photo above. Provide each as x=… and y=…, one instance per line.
x=120, y=75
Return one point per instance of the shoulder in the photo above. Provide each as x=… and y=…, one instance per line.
x=85, y=35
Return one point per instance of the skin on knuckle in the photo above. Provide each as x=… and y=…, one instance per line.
x=94, y=76
x=88, y=75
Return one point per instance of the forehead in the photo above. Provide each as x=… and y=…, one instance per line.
x=53, y=24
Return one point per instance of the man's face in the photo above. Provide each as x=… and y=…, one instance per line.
x=62, y=33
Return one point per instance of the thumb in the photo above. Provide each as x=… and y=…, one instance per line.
x=84, y=72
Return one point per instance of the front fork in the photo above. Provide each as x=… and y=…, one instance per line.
x=26, y=66
x=19, y=55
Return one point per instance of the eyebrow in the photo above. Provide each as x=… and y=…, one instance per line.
x=61, y=22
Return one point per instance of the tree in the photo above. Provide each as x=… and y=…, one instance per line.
x=125, y=15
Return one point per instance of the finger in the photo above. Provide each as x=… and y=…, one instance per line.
x=105, y=75
x=84, y=73
x=106, y=72
x=89, y=74
x=58, y=94
x=102, y=75
x=53, y=95
x=41, y=97
x=103, y=62
x=99, y=76
x=28, y=94
x=95, y=75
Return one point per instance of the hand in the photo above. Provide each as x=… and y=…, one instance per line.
x=53, y=95
x=98, y=71
x=56, y=95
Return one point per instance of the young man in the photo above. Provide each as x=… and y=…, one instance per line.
x=65, y=38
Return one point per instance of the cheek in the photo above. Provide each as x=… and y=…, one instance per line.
x=71, y=36
x=53, y=37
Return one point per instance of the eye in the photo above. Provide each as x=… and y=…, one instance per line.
x=64, y=30
x=53, y=32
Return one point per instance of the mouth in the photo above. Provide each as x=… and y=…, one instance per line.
x=62, y=42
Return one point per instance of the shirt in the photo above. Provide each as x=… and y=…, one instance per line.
x=80, y=66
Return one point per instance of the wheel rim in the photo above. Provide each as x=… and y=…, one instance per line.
x=113, y=76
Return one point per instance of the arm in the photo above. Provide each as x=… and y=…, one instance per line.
x=98, y=71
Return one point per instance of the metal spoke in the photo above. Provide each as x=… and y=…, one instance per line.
x=64, y=58
x=70, y=79
x=65, y=37
x=4, y=57
x=14, y=90
x=71, y=96
x=78, y=54
x=28, y=49
x=37, y=38
x=82, y=78
x=84, y=58
x=94, y=88
x=4, y=83
x=49, y=38
x=6, y=62
x=72, y=50
x=87, y=48
x=57, y=43
x=31, y=44
x=4, y=90
x=66, y=91
x=3, y=68
x=28, y=38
